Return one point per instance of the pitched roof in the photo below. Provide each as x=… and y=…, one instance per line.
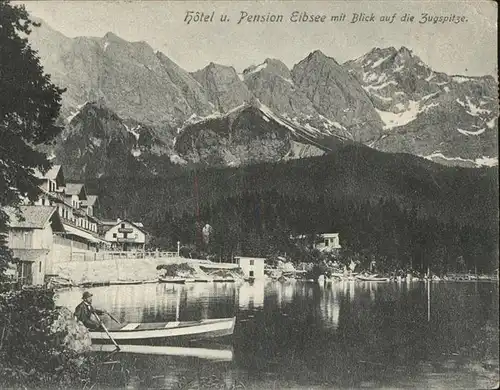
x=35, y=217
x=138, y=225
x=108, y=223
x=73, y=230
x=50, y=174
x=75, y=189
x=90, y=201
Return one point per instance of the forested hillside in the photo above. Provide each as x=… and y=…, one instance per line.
x=398, y=208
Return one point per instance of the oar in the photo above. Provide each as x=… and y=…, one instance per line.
x=113, y=318
x=106, y=330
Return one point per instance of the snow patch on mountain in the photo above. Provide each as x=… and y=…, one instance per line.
x=378, y=62
x=467, y=132
x=195, y=119
x=289, y=81
x=392, y=120
x=75, y=113
x=471, y=108
x=373, y=77
x=258, y=68
x=72, y=116
x=266, y=111
x=430, y=77
x=491, y=123
x=441, y=155
x=133, y=131
x=409, y=114
x=380, y=86
x=311, y=129
x=95, y=141
x=332, y=123
x=479, y=162
x=431, y=95
x=487, y=161
x=461, y=79
x=176, y=159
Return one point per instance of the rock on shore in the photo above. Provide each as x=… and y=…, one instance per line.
x=77, y=336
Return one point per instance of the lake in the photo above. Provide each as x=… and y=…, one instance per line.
x=301, y=335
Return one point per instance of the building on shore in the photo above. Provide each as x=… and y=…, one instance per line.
x=61, y=226
x=125, y=235
x=324, y=242
x=252, y=267
x=74, y=237
x=91, y=205
x=330, y=242
x=32, y=234
x=70, y=200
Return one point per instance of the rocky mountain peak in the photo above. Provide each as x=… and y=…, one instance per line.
x=316, y=54
x=223, y=87
x=387, y=99
x=110, y=36
x=270, y=66
x=403, y=50
x=337, y=95
x=277, y=67
x=429, y=113
x=136, y=82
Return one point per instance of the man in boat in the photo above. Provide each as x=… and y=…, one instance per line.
x=86, y=313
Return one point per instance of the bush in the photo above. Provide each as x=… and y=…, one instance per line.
x=221, y=273
x=32, y=353
x=176, y=269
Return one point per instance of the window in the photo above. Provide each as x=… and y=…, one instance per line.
x=114, y=235
x=251, y=274
x=125, y=235
x=123, y=226
x=39, y=266
x=327, y=242
x=252, y=262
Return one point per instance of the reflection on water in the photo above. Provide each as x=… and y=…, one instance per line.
x=251, y=296
x=298, y=334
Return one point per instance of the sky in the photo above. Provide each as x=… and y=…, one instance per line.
x=468, y=47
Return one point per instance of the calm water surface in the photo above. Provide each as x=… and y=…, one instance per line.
x=301, y=335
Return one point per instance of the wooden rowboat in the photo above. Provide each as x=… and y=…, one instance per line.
x=371, y=278
x=216, y=327
x=201, y=353
x=172, y=279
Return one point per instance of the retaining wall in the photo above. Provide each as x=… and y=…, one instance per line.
x=120, y=269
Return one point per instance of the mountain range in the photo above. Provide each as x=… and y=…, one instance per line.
x=129, y=108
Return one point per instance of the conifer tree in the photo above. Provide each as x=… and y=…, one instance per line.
x=29, y=107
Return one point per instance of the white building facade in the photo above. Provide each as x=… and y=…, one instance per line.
x=252, y=267
x=126, y=236
x=329, y=242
